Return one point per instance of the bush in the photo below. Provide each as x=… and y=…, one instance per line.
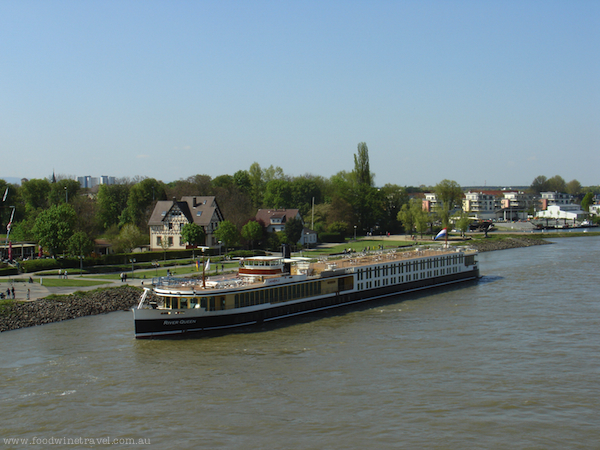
x=123, y=258
x=331, y=237
x=35, y=265
x=245, y=253
x=7, y=271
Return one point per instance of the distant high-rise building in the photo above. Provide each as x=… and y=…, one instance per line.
x=90, y=182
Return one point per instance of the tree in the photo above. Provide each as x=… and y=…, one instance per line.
x=227, y=233
x=111, y=201
x=588, y=200
x=256, y=184
x=573, y=187
x=62, y=191
x=539, y=184
x=252, y=231
x=463, y=223
x=409, y=213
x=393, y=197
x=131, y=237
x=338, y=227
x=193, y=234
x=223, y=181
x=278, y=194
x=362, y=170
x=557, y=184
x=406, y=217
x=421, y=221
x=34, y=194
x=165, y=244
x=142, y=197
x=242, y=180
x=449, y=194
x=368, y=205
x=54, y=226
x=304, y=190
x=293, y=230
x=79, y=244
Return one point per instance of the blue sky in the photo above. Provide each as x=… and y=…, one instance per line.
x=479, y=92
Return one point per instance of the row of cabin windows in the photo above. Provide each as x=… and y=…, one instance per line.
x=379, y=271
x=409, y=277
x=278, y=294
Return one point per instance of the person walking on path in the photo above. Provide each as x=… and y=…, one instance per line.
x=13, y=292
x=28, y=294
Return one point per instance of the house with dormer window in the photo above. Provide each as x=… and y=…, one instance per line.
x=169, y=217
x=275, y=219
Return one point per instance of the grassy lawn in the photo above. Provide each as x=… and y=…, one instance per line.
x=162, y=272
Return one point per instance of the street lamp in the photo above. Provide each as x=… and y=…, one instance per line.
x=132, y=261
x=66, y=195
x=355, y=232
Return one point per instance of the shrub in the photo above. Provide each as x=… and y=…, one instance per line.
x=245, y=253
x=331, y=237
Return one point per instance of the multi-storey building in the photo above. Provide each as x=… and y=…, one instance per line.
x=169, y=217
x=483, y=204
x=90, y=182
x=555, y=199
x=516, y=205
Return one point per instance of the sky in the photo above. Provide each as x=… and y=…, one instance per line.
x=489, y=93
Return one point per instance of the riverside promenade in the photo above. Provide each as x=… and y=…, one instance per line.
x=38, y=290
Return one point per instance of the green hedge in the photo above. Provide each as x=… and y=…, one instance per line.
x=123, y=258
x=8, y=271
x=331, y=237
x=246, y=253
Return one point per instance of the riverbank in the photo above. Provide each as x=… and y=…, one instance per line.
x=18, y=314
x=504, y=244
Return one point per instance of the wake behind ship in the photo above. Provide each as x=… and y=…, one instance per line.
x=268, y=288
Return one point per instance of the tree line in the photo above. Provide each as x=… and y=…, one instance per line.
x=63, y=217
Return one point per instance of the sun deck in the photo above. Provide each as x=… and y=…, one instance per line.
x=301, y=269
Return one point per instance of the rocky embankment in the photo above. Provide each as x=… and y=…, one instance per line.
x=512, y=242
x=47, y=310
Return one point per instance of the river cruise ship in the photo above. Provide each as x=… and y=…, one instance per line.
x=268, y=288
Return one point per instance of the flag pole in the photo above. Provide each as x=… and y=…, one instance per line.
x=203, y=270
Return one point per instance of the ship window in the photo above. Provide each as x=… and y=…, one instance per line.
x=289, y=292
x=183, y=303
x=193, y=302
x=251, y=298
x=212, y=303
x=203, y=302
x=167, y=302
x=237, y=300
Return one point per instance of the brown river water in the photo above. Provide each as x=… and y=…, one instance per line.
x=512, y=361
